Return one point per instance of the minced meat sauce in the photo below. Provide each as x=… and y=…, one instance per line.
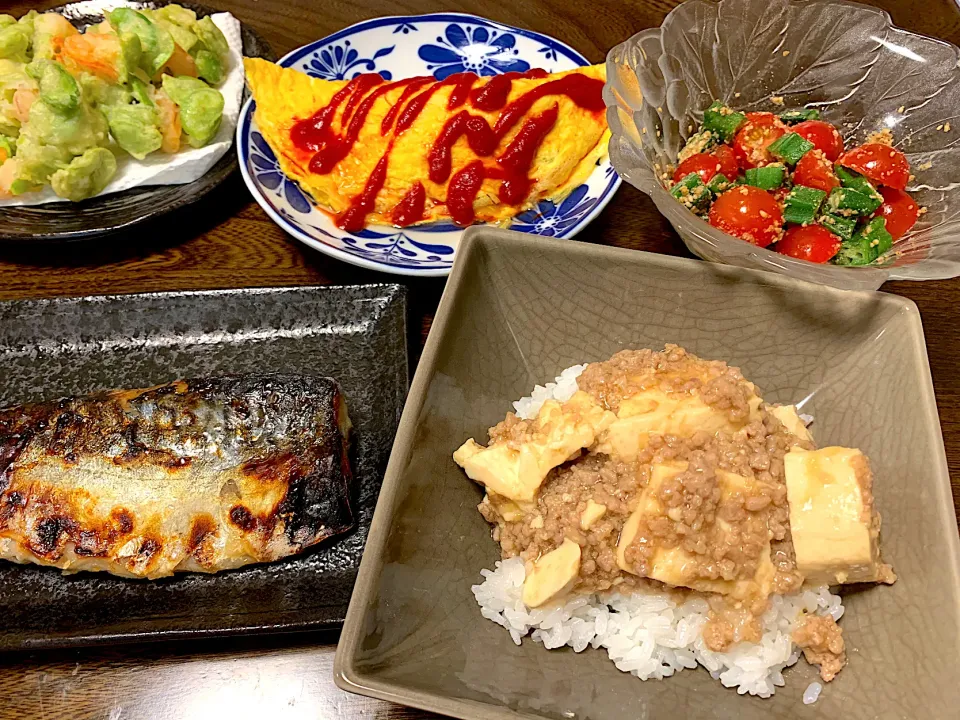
x=727, y=533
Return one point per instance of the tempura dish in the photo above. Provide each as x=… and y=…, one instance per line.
x=75, y=105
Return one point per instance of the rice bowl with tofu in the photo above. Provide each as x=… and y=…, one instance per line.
x=655, y=506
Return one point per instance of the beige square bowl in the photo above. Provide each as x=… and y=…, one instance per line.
x=519, y=309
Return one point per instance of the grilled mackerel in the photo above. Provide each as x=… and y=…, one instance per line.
x=198, y=475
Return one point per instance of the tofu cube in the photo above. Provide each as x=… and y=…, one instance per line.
x=655, y=411
x=517, y=472
x=675, y=566
x=593, y=512
x=552, y=574
x=787, y=415
x=832, y=520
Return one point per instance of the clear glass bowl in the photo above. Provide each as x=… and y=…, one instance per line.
x=845, y=59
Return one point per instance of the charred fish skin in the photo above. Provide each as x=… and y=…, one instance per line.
x=199, y=475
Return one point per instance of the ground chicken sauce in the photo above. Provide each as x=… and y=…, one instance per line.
x=726, y=533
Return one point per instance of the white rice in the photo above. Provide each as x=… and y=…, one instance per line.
x=648, y=635
x=812, y=692
x=562, y=389
x=651, y=635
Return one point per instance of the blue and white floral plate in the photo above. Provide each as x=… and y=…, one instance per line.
x=399, y=47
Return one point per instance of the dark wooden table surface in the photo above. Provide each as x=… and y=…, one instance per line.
x=228, y=241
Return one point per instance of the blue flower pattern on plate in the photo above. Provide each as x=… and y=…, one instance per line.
x=472, y=49
x=548, y=53
x=464, y=43
x=337, y=62
x=554, y=220
x=265, y=168
x=396, y=249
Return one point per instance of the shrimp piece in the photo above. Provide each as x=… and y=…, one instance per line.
x=96, y=53
x=8, y=173
x=22, y=100
x=180, y=63
x=169, y=122
x=54, y=29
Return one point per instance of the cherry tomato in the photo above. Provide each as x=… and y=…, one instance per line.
x=823, y=135
x=879, y=163
x=763, y=118
x=748, y=213
x=728, y=161
x=899, y=210
x=703, y=164
x=706, y=165
x=755, y=135
x=814, y=170
x=811, y=242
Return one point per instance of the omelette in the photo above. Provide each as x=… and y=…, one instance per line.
x=403, y=152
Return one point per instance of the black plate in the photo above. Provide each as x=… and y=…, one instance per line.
x=50, y=348
x=98, y=216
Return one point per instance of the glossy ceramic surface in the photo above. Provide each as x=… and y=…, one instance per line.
x=516, y=311
x=53, y=348
x=848, y=60
x=400, y=47
x=99, y=216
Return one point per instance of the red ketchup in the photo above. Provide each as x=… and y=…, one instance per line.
x=586, y=92
x=461, y=89
x=479, y=135
x=518, y=157
x=337, y=149
x=314, y=134
x=494, y=94
x=462, y=191
x=410, y=209
x=355, y=99
x=414, y=85
x=354, y=217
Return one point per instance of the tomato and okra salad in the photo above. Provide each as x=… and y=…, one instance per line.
x=786, y=181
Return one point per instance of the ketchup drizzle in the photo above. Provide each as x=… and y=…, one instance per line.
x=355, y=99
x=494, y=94
x=354, y=217
x=585, y=92
x=415, y=84
x=410, y=209
x=517, y=158
x=315, y=134
x=479, y=135
x=311, y=134
x=483, y=140
x=413, y=109
x=336, y=150
x=461, y=89
x=462, y=191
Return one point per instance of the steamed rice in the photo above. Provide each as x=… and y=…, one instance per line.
x=649, y=635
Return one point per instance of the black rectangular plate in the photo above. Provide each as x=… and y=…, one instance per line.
x=51, y=348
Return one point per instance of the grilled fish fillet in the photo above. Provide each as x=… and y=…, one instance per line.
x=198, y=475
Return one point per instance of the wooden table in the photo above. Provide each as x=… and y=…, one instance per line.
x=228, y=241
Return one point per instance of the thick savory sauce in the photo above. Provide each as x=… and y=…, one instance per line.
x=726, y=534
x=316, y=135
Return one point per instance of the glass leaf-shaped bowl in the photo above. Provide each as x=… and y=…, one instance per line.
x=847, y=60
